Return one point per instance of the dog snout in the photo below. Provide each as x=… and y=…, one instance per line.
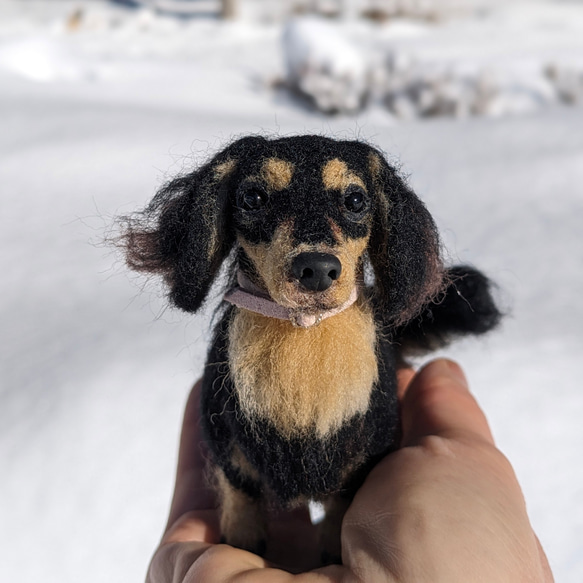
x=316, y=271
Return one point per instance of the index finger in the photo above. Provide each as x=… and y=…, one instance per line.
x=438, y=402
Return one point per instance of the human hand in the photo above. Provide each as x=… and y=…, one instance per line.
x=445, y=507
x=189, y=551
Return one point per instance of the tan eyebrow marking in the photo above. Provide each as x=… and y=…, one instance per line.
x=337, y=176
x=224, y=169
x=277, y=173
x=375, y=165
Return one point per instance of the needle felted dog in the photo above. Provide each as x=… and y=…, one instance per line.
x=299, y=390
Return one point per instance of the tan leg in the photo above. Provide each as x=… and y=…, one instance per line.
x=330, y=527
x=242, y=518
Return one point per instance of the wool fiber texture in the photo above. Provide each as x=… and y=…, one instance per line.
x=304, y=380
x=292, y=414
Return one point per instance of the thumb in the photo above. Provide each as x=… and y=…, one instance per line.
x=438, y=402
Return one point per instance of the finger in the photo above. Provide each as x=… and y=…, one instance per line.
x=547, y=573
x=185, y=549
x=201, y=526
x=192, y=492
x=438, y=402
x=193, y=562
x=404, y=377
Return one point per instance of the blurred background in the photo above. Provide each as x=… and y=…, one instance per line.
x=479, y=102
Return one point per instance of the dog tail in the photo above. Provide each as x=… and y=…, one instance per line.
x=465, y=307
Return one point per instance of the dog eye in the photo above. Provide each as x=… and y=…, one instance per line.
x=252, y=198
x=354, y=199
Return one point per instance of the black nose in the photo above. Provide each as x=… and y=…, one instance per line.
x=316, y=271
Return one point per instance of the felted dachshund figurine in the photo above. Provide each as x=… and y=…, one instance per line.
x=335, y=276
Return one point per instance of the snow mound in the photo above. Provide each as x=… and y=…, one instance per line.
x=411, y=89
x=567, y=81
x=324, y=65
x=431, y=10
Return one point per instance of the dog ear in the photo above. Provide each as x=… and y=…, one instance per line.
x=184, y=234
x=404, y=247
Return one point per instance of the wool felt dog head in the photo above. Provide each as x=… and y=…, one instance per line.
x=336, y=276
x=291, y=206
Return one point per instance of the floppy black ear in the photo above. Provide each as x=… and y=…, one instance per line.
x=404, y=247
x=184, y=234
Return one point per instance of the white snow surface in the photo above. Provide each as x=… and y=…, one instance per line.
x=95, y=370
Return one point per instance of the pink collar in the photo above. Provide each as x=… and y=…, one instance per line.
x=248, y=296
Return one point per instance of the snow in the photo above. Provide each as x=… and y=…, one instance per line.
x=324, y=65
x=95, y=370
x=436, y=74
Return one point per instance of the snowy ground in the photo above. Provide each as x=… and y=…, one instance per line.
x=95, y=371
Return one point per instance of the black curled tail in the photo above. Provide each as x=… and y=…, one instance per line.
x=465, y=307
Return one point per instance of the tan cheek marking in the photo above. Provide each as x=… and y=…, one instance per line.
x=270, y=259
x=304, y=379
x=349, y=252
x=258, y=253
x=277, y=173
x=337, y=176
